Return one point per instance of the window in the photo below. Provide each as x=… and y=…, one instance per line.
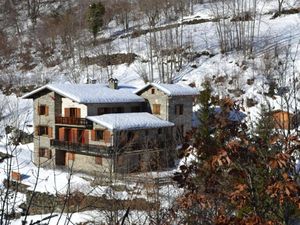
x=146, y=132
x=135, y=109
x=159, y=131
x=98, y=160
x=156, y=109
x=118, y=110
x=44, y=152
x=179, y=109
x=72, y=112
x=43, y=110
x=130, y=136
x=100, y=111
x=153, y=91
x=107, y=110
x=42, y=130
x=98, y=135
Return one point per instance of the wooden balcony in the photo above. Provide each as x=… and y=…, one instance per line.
x=81, y=148
x=73, y=121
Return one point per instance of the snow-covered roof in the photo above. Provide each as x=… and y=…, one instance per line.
x=171, y=89
x=91, y=93
x=130, y=121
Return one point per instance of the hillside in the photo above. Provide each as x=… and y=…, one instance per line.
x=236, y=49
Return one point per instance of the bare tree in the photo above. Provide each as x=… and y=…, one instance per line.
x=236, y=25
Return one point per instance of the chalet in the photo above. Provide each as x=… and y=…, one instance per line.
x=109, y=128
x=171, y=102
x=283, y=119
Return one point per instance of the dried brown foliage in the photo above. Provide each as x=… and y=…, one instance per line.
x=239, y=178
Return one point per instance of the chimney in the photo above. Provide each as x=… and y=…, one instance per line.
x=113, y=83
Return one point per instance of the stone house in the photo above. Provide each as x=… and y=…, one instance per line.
x=171, y=102
x=109, y=128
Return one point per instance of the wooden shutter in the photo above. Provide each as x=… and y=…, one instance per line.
x=77, y=114
x=74, y=136
x=86, y=136
x=156, y=109
x=93, y=135
x=67, y=112
x=36, y=131
x=46, y=110
x=38, y=109
x=61, y=134
x=70, y=156
x=48, y=153
x=106, y=136
x=50, y=132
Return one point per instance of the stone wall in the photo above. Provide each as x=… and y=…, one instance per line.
x=43, y=141
x=87, y=163
x=167, y=107
x=158, y=97
x=186, y=118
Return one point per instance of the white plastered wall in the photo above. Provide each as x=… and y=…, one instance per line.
x=68, y=103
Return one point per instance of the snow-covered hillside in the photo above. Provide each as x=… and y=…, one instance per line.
x=185, y=50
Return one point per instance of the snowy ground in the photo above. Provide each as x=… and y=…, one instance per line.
x=56, y=182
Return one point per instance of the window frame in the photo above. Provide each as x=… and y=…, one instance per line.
x=43, y=130
x=99, y=135
x=42, y=110
x=135, y=109
x=45, y=153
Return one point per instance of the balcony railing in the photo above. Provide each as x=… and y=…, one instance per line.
x=81, y=148
x=72, y=121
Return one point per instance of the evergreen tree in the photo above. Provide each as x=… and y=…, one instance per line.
x=95, y=18
x=239, y=177
x=205, y=114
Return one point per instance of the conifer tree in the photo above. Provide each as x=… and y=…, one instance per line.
x=239, y=177
x=95, y=15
